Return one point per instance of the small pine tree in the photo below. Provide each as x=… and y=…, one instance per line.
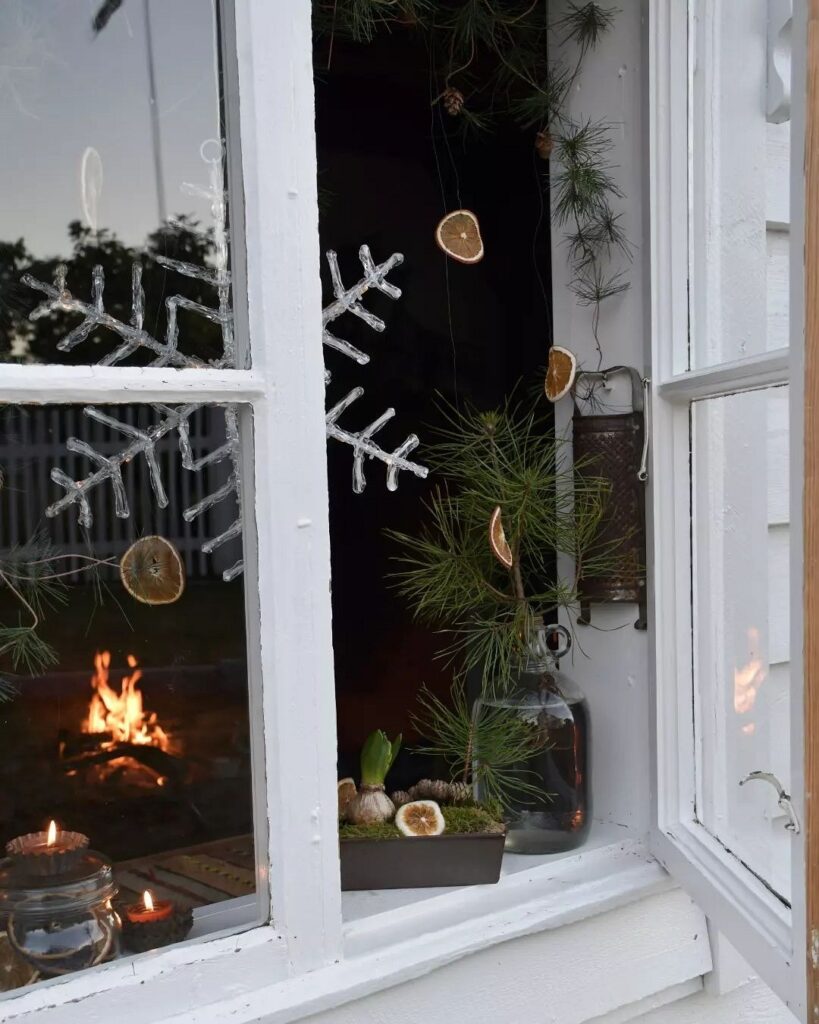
x=449, y=573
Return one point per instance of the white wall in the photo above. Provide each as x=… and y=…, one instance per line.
x=613, y=667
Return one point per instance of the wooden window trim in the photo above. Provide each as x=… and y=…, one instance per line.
x=811, y=511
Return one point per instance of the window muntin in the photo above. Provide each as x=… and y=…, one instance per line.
x=114, y=155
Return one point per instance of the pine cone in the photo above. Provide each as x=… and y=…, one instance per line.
x=400, y=797
x=431, y=789
x=460, y=793
x=544, y=144
x=453, y=100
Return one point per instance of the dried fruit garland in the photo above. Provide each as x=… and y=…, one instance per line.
x=491, y=62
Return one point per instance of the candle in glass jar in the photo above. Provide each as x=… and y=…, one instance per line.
x=149, y=909
x=52, y=844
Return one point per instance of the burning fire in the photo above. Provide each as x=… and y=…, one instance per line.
x=121, y=715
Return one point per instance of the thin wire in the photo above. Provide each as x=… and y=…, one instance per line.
x=433, y=83
x=547, y=303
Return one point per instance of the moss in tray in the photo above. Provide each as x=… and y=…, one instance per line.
x=459, y=821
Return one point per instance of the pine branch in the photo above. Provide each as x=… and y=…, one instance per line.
x=447, y=571
x=486, y=747
x=586, y=24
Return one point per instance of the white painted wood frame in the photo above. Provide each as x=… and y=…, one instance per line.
x=759, y=924
x=285, y=531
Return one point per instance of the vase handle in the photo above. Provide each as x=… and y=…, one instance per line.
x=564, y=642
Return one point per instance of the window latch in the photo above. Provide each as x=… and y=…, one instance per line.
x=784, y=800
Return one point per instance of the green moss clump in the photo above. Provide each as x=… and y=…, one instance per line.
x=459, y=821
x=466, y=820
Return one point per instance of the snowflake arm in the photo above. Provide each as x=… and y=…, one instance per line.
x=348, y=300
x=363, y=445
x=110, y=468
x=59, y=299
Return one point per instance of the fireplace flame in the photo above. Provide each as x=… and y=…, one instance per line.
x=749, y=677
x=121, y=714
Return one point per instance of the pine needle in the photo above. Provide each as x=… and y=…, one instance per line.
x=447, y=571
x=486, y=746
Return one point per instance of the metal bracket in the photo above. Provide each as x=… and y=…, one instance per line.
x=784, y=800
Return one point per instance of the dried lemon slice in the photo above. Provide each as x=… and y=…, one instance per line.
x=459, y=235
x=560, y=373
x=497, y=540
x=420, y=818
x=152, y=571
x=346, y=791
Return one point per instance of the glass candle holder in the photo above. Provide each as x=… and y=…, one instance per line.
x=60, y=923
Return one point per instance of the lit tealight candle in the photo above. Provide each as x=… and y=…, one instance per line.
x=53, y=849
x=149, y=909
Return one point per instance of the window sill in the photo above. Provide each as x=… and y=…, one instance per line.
x=534, y=893
x=392, y=937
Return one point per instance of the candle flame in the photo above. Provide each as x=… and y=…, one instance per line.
x=51, y=838
x=148, y=900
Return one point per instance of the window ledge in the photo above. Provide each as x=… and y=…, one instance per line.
x=634, y=953
x=534, y=893
x=397, y=936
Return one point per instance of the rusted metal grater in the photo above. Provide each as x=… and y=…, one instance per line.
x=614, y=445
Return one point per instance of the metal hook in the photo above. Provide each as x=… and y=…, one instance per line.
x=784, y=800
x=642, y=473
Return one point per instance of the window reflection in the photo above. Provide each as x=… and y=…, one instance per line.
x=115, y=248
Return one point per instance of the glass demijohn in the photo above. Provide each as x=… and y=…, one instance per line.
x=550, y=702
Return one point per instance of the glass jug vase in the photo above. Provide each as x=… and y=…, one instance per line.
x=558, y=818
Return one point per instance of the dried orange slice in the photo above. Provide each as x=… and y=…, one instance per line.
x=420, y=818
x=459, y=235
x=497, y=540
x=346, y=791
x=152, y=571
x=560, y=373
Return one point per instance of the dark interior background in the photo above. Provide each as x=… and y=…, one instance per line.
x=391, y=163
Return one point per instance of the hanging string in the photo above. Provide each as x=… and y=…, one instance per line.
x=545, y=293
x=433, y=93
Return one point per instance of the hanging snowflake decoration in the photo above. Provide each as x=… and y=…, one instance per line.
x=348, y=300
x=166, y=352
x=169, y=351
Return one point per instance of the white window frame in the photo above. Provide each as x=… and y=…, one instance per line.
x=286, y=531
x=304, y=959
x=765, y=931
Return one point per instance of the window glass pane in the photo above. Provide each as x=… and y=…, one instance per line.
x=123, y=667
x=114, y=247
x=740, y=186
x=741, y=624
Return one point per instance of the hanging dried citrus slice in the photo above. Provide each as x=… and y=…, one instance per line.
x=459, y=235
x=497, y=540
x=560, y=373
x=420, y=818
x=346, y=791
x=152, y=571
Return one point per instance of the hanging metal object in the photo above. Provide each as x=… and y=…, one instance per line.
x=614, y=447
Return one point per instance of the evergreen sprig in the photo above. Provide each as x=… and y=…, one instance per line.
x=486, y=746
x=448, y=572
